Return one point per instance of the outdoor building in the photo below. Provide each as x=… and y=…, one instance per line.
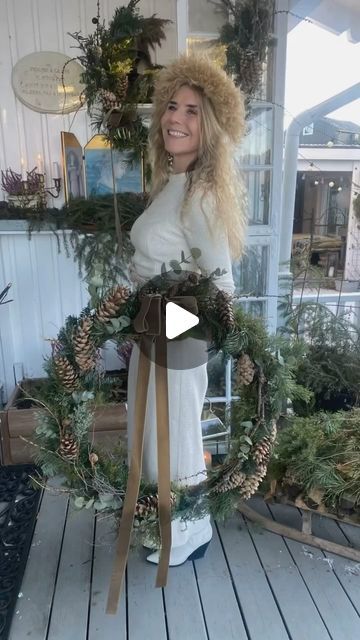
x=327, y=161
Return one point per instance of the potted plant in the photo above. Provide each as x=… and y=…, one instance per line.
x=29, y=400
x=22, y=193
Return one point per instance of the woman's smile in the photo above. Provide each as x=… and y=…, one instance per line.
x=180, y=126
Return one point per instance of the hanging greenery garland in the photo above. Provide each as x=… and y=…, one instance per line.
x=118, y=73
x=97, y=479
x=248, y=36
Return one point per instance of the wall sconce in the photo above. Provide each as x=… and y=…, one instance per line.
x=331, y=184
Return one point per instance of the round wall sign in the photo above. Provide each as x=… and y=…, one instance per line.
x=48, y=82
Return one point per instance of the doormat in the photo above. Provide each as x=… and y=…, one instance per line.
x=19, y=503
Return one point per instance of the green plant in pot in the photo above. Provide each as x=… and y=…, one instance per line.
x=330, y=368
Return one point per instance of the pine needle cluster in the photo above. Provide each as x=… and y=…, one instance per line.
x=321, y=453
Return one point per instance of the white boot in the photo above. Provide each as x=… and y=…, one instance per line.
x=193, y=549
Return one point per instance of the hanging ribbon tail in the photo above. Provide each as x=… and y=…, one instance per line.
x=133, y=484
x=163, y=451
x=150, y=321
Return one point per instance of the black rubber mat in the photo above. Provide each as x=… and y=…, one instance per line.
x=19, y=503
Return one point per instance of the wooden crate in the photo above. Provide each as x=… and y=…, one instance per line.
x=110, y=424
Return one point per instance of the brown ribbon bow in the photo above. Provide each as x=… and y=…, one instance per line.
x=150, y=322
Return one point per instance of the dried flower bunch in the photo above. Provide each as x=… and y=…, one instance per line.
x=13, y=183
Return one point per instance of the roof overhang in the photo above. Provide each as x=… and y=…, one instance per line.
x=337, y=16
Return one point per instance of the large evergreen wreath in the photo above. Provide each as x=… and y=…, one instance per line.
x=96, y=478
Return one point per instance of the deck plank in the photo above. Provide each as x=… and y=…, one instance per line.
x=146, y=615
x=298, y=609
x=69, y=615
x=256, y=599
x=347, y=571
x=32, y=611
x=222, y=613
x=183, y=606
x=252, y=584
x=341, y=619
x=101, y=624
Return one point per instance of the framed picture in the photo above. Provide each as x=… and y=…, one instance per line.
x=73, y=166
x=99, y=169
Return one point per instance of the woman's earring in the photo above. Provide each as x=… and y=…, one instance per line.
x=170, y=162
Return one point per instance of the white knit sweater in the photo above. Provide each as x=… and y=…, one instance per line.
x=159, y=236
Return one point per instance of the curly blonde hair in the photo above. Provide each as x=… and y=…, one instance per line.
x=214, y=172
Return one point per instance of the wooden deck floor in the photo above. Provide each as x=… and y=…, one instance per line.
x=252, y=584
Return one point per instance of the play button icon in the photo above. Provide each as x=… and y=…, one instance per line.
x=178, y=320
x=188, y=343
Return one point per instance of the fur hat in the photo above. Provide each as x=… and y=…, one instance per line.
x=198, y=70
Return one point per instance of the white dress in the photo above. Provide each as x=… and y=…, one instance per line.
x=159, y=236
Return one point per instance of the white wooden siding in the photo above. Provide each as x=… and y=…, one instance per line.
x=46, y=289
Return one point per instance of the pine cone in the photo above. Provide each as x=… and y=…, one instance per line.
x=250, y=71
x=251, y=483
x=224, y=307
x=273, y=432
x=149, y=505
x=121, y=88
x=232, y=481
x=68, y=448
x=245, y=370
x=108, y=99
x=262, y=451
x=66, y=374
x=110, y=306
x=84, y=348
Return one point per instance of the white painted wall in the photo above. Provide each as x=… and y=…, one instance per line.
x=45, y=289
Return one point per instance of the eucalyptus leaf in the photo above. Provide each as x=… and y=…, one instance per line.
x=244, y=448
x=124, y=321
x=115, y=323
x=247, y=424
x=110, y=329
x=195, y=252
x=96, y=281
x=105, y=498
x=99, y=506
x=176, y=266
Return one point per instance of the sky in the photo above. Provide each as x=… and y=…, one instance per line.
x=319, y=65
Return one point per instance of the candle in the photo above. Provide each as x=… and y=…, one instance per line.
x=39, y=164
x=207, y=459
x=23, y=170
x=56, y=170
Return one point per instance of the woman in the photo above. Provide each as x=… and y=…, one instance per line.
x=196, y=201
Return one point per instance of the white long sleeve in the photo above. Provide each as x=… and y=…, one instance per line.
x=215, y=252
x=159, y=236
